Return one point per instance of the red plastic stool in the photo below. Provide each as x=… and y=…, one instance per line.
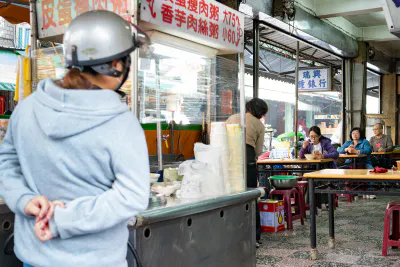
x=349, y=197
x=301, y=185
x=287, y=193
x=393, y=239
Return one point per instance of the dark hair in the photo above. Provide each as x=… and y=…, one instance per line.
x=362, y=134
x=316, y=130
x=74, y=80
x=257, y=107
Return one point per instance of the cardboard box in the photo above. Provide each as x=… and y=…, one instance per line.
x=272, y=215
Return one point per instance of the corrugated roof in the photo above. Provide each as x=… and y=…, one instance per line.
x=289, y=43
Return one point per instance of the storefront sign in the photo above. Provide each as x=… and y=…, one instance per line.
x=314, y=79
x=55, y=15
x=203, y=21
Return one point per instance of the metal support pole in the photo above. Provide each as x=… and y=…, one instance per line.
x=256, y=56
x=344, y=102
x=243, y=114
x=296, y=103
x=313, y=225
x=348, y=123
x=134, y=66
x=331, y=242
x=134, y=85
x=34, y=39
x=158, y=116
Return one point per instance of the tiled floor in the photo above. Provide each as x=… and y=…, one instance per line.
x=358, y=232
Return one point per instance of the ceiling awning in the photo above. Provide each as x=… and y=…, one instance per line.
x=7, y=86
x=276, y=90
x=15, y=11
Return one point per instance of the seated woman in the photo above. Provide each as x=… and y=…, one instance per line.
x=358, y=145
x=322, y=148
x=318, y=145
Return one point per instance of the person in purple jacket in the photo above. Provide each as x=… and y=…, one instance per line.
x=322, y=148
x=318, y=145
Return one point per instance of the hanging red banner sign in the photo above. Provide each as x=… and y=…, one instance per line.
x=204, y=21
x=55, y=15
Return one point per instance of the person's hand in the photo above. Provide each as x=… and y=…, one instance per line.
x=351, y=150
x=42, y=227
x=305, y=144
x=381, y=149
x=42, y=230
x=318, y=155
x=50, y=212
x=38, y=207
x=354, y=151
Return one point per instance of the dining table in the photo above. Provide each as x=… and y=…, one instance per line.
x=354, y=158
x=382, y=158
x=290, y=166
x=336, y=181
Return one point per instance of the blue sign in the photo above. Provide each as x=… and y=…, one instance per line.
x=314, y=79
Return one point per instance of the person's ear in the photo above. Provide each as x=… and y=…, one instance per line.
x=118, y=65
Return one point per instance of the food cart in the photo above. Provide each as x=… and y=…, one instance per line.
x=208, y=230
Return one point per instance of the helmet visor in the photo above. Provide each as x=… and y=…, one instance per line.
x=142, y=40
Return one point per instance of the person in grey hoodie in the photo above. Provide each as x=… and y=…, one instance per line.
x=74, y=164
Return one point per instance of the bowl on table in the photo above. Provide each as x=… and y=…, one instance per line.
x=166, y=188
x=283, y=181
x=309, y=156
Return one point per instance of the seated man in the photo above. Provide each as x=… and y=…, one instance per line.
x=381, y=142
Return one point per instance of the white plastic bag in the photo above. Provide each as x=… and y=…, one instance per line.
x=210, y=155
x=199, y=180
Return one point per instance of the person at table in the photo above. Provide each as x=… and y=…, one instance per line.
x=318, y=145
x=322, y=148
x=256, y=109
x=357, y=145
x=381, y=142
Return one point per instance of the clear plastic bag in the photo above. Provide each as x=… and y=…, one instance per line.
x=199, y=180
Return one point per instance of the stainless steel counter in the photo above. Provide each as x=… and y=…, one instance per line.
x=6, y=229
x=212, y=231
x=176, y=207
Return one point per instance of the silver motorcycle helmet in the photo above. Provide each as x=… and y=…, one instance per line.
x=96, y=38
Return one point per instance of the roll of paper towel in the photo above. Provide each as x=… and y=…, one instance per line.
x=235, y=145
x=219, y=139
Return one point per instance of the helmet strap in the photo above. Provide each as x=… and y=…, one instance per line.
x=106, y=70
x=127, y=68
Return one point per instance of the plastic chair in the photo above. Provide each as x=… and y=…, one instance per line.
x=287, y=194
x=393, y=239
